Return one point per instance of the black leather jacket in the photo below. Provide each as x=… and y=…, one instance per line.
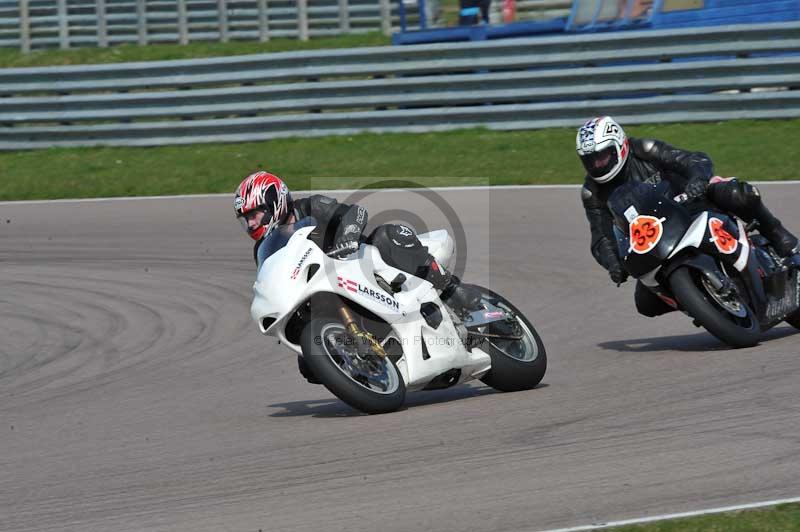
x=333, y=218
x=650, y=161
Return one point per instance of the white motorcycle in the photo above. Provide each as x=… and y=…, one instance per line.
x=369, y=331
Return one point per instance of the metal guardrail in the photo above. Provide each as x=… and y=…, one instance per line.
x=650, y=76
x=31, y=24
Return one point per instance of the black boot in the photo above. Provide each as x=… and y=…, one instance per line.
x=454, y=294
x=459, y=296
x=784, y=242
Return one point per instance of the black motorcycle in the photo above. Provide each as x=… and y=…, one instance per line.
x=705, y=263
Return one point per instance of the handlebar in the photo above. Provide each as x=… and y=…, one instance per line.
x=341, y=251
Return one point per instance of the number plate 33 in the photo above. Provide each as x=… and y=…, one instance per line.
x=645, y=233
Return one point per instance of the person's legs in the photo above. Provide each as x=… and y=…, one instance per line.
x=400, y=247
x=468, y=13
x=744, y=200
x=484, y=6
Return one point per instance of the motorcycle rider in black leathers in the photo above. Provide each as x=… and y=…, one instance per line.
x=611, y=158
x=263, y=202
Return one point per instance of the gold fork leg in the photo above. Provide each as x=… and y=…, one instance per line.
x=355, y=331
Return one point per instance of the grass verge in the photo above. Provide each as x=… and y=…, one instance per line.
x=782, y=518
x=754, y=150
x=157, y=52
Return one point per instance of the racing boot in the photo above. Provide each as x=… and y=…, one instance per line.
x=457, y=296
x=784, y=242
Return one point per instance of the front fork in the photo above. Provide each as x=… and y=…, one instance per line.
x=365, y=337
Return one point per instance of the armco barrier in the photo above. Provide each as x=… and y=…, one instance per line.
x=35, y=24
x=649, y=76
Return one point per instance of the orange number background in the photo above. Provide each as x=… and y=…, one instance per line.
x=722, y=239
x=645, y=233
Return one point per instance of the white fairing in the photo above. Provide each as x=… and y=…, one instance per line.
x=744, y=253
x=694, y=235
x=282, y=286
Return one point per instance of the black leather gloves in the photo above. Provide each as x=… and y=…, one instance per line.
x=618, y=274
x=696, y=188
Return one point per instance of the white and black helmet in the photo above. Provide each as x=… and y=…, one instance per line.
x=603, y=148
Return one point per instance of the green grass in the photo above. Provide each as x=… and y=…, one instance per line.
x=783, y=518
x=753, y=150
x=155, y=52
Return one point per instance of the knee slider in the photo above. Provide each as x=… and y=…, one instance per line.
x=751, y=196
x=402, y=236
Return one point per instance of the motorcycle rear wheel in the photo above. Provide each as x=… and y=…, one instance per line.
x=371, y=384
x=693, y=295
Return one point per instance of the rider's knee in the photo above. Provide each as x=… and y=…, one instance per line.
x=735, y=196
x=395, y=235
x=400, y=247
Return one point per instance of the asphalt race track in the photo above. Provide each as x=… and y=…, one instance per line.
x=136, y=394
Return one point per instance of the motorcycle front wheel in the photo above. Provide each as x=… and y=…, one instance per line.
x=729, y=319
x=350, y=370
x=517, y=364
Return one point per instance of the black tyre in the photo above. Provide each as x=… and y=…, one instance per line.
x=306, y=372
x=369, y=383
x=733, y=322
x=516, y=364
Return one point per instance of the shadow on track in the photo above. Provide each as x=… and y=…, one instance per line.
x=699, y=342
x=327, y=408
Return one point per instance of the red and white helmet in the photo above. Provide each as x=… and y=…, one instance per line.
x=602, y=147
x=262, y=202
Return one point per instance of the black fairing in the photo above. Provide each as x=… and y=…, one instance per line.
x=651, y=200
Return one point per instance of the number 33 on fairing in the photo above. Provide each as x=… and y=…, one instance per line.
x=645, y=233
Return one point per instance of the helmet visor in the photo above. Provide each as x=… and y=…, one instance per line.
x=253, y=219
x=601, y=162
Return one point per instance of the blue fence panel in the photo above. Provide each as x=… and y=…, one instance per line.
x=730, y=12
x=611, y=15
x=608, y=14
x=604, y=15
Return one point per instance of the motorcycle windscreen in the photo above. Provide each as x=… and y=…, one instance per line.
x=279, y=237
x=649, y=224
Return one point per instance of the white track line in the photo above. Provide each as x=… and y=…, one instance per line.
x=643, y=520
x=299, y=192
x=338, y=191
